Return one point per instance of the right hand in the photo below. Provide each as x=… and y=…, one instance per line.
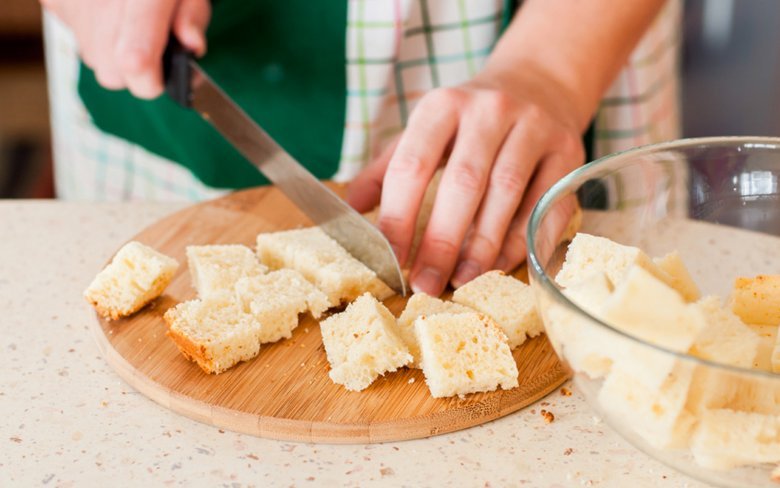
x=123, y=40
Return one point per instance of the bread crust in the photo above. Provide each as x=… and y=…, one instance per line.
x=190, y=350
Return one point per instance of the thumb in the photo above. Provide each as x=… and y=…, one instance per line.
x=365, y=191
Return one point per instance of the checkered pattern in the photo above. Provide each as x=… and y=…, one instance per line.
x=397, y=50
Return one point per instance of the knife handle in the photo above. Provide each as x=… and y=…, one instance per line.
x=177, y=73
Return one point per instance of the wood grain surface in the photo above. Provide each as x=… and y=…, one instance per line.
x=285, y=392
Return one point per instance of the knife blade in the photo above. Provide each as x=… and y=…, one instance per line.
x=190, y=86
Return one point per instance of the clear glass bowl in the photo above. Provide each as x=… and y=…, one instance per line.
x=716, y=201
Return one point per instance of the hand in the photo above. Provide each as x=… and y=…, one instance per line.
x=510, y=139
x=123, y=40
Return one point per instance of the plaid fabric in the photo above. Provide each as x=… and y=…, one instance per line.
x=397, y=50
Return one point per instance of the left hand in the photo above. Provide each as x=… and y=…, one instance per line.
x=506, y=140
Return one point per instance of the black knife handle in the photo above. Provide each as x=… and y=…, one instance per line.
x=177, y=72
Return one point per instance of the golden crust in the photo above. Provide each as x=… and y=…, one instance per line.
x=189, y=349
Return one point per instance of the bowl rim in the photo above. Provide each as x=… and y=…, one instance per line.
x=559, y=190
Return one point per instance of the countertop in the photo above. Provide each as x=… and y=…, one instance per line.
x=69, y=420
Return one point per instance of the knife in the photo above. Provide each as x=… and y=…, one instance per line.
x=189, y=86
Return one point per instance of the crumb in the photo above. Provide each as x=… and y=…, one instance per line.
x=303, y=364
x=221, y=431
x=568, y=451
x=548, y=416
x=565, y=391
x=386, y=471
x=775, y=476
x=306, y=330
x=303, y=346
x=411, y=380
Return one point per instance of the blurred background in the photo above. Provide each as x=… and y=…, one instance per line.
x=731, y=83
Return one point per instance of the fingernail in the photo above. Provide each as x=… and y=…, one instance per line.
x=501, y=263
x=465, y=272
x=428, y=281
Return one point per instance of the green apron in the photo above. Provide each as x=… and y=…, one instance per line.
x=284, y=62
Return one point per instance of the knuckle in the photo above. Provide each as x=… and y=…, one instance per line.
x=441, y=246
x=134, y=61
x=571, y=147
x=445, y=97
x=498, y=102
x=482, y=247
x=508, y=179
x=468, y=178
x=406, y=165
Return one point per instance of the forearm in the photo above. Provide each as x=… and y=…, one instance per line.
x=572, y=49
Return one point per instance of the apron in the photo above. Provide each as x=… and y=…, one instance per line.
x=332, y=82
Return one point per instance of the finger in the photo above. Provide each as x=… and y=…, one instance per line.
x=549, y=172
x=420, y=149
x=509, y=178
x=189, y=24
x=481, y=132
x=104, y=38
x=365, y=191
x=140, y=44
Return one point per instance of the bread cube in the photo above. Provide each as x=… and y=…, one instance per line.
x=677, y=276
x=657, y=415
x=726, y=439
x=587, y=346
x=725, y=339
x=217, y=268
x=422, y=304
x=645, y=307
x=362, y=343
x=716, y=388
x=757, y=300
x=213, y=332
x=588, y=255
x=137, y=275
x=322, y=261
x=276, y=300
x=464, y=353
x=506, y=300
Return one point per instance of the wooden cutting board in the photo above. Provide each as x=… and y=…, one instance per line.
x=285, y=392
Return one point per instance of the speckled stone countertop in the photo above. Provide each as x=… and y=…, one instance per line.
x=68, y=420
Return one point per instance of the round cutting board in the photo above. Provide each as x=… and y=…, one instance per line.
x=285, y=392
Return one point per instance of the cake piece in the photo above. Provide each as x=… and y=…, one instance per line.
x=588, y=254
x=726, y=439
x=464, y=353
x=137, y=275
x=647, y=308
x=677, y=276
x=659, y=415
x=217, y=268
x=276, y=300
x=213, y=332
x=422, y=304
x=757, y=300
x=508, y=301
x=725, y=339
x=362, y=343
x=322, y=261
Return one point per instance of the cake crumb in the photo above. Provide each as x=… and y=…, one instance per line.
x=568, y=451
x=565, y=391
x=411, y=380
x=547, y=416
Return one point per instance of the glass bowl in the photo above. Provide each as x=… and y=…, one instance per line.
x=716, y=202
